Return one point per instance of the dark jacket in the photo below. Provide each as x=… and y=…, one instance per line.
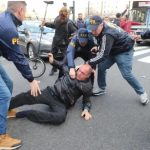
x=80, y=23
x=75, y=50
x=9, y=46
x=112, y=41
x=70, y=90
x=145, y=35
x=62, y=31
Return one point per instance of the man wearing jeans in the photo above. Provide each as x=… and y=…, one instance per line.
x=10, y=49
x=115, y=46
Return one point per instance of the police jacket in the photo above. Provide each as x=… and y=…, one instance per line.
x=112, y=41
x=146, y=35
x=9, y=46
x=69, y=90
x=62, y=31
x=75, y=50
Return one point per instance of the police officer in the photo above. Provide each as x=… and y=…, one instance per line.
x=115, y=46
x=9, y=49
x=80, y=46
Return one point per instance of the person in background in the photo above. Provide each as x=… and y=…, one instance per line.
x=118, y=16
x=63, y=30
x=59, y=97
x=80, y=23
x=126, y=24
x=115, y=46
x=10, y=49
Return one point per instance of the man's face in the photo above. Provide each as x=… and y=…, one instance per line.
x=80, y=16
x=83, y=44
x=98, y=30
x=83, y=73
x=22, y=12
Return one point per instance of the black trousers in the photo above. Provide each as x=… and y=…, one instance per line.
x=57, y=110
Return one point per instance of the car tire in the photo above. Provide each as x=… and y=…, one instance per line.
x=31, y=51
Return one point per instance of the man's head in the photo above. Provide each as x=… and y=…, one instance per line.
x=80, y=16
x=84, y=72
x=118, y=15
x=95, y=25
x=82, y=36
x=18, y=8
x=63, y=14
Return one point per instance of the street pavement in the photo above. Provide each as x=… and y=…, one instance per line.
x=119, y=121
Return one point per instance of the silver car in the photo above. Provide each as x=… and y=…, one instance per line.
x=30, y=34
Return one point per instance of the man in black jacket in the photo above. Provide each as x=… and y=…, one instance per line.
x=115, y=46
x=63, y=29
x=59, y=97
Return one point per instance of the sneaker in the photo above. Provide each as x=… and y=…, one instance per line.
x=8, y=143
x=144, y=98
x=11, y=113
x=98, y=92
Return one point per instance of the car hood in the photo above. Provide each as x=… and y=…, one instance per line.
x=47, y=36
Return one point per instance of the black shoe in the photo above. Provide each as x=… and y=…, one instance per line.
x=52, y=72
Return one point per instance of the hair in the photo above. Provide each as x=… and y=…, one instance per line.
x=118, y=15
x=80, y=14
x=64, y=12
x=13, y=5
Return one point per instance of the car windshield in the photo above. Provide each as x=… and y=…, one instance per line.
x=34, y=27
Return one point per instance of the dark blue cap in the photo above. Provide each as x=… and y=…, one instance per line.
x=94, y=22
x=83, y=35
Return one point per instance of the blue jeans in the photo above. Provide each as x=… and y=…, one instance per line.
x=6, y=87
x=124, y=62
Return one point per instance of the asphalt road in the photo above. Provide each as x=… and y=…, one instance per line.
x=119, y=121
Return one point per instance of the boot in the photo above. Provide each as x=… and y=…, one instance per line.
x=11, y=113
x=52, y=71
x=8, y=143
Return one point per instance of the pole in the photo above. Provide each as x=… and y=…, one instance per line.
x=73, y=12
x=88, y=8
x=42, y=28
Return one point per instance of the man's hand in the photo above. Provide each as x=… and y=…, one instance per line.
x=87, y=115
x=51, y=58
x=35, y=89
x=137, y=37
x=94, y=49
x=43, y=23
x=72, y=73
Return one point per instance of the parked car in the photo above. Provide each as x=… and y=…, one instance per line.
x=29, y=39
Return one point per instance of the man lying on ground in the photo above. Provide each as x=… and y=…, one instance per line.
x=59, y=97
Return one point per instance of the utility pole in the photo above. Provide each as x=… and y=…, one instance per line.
x=73, y=11
x=88, y=8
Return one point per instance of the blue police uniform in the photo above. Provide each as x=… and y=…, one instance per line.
x=10, y=49
x=75, y=50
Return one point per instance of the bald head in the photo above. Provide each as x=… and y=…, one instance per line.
x=84, y=72
x=18, y=8
x=14, y=5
